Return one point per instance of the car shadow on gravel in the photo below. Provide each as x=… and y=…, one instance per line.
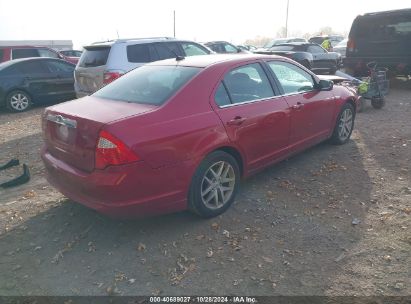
x=285, y=235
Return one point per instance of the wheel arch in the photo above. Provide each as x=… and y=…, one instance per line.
x=18, y=89
x=234, y=153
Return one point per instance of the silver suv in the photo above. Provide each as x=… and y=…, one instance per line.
x=103, y=62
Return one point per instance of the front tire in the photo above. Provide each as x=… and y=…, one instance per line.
x=214, y=185
x=344, y=126
x=18, y=101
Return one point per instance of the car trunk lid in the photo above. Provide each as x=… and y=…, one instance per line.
x=71, y=130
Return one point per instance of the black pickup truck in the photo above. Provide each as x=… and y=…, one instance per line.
x=310, y=55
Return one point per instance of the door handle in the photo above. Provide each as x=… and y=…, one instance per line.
x=28, y=78
x=238, y=120
x=298, y=106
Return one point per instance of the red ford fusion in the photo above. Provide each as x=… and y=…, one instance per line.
x=181, y=133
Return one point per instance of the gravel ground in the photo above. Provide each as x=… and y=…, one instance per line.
x=334, y=220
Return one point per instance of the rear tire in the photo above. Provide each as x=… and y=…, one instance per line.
x=378, y=102
x=344, y=125
x=214, y=185
x=18, y=101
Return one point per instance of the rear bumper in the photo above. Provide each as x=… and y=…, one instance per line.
x=131, y=190
x=396, y=64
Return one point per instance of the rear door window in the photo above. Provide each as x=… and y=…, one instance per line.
x=166, y=50
x=94, y=56
x=24, y=53
x=221, y=96
x=32, y=67
x=59, y=67
x=248, y=83
x=141, y=53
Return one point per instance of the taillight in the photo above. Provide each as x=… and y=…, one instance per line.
x=112, y=151
x=111, y=76
x=350, y=45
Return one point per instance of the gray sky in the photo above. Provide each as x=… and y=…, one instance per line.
x=91, y=20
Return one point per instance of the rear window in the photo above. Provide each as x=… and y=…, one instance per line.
x=384, y=27
x=24, y=53
x=94, y=56
x=1, y=55
x=148, y=84
x=317, y=40
x=285, y=48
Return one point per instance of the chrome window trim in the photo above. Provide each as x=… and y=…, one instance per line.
x=249, y=101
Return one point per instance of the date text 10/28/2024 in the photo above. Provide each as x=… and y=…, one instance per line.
x=203, y=299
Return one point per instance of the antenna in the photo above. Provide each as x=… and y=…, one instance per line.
x=174, y=23
x=286, y=20
x=118, y=36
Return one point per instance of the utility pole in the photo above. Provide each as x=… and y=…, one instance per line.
x=174, y=13
x=286, y=20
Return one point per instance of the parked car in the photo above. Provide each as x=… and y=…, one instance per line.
x=278, y=41
x=224, y=47
x=250, y=48
x=175, y=135
x=103, y=62
x=383, y=37
x=310, y=55
x=24, y=82
x=71, y=53
x=341, y=48
x=334, y=39
x=17, y=52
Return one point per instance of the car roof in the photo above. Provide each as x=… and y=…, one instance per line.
x=208, y=60
x=399, y=11
x=24, y=46
x=133, y=40
x=16, y=61
x=217, y=41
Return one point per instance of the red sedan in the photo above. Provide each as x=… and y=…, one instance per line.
x=181, y=133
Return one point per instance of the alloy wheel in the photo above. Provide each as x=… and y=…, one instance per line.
x=19, y=101
x=345, y=124
x=217, y=185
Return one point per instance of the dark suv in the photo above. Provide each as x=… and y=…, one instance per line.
x=384, y=37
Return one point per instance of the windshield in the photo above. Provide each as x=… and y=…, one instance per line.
x=148, y=84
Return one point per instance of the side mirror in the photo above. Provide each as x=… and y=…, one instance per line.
x=325, y=85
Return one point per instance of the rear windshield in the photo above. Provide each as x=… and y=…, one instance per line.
x=148, y=84
x=385, y=27
x=317, y=40
x=285, y=48
x=94, y=56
